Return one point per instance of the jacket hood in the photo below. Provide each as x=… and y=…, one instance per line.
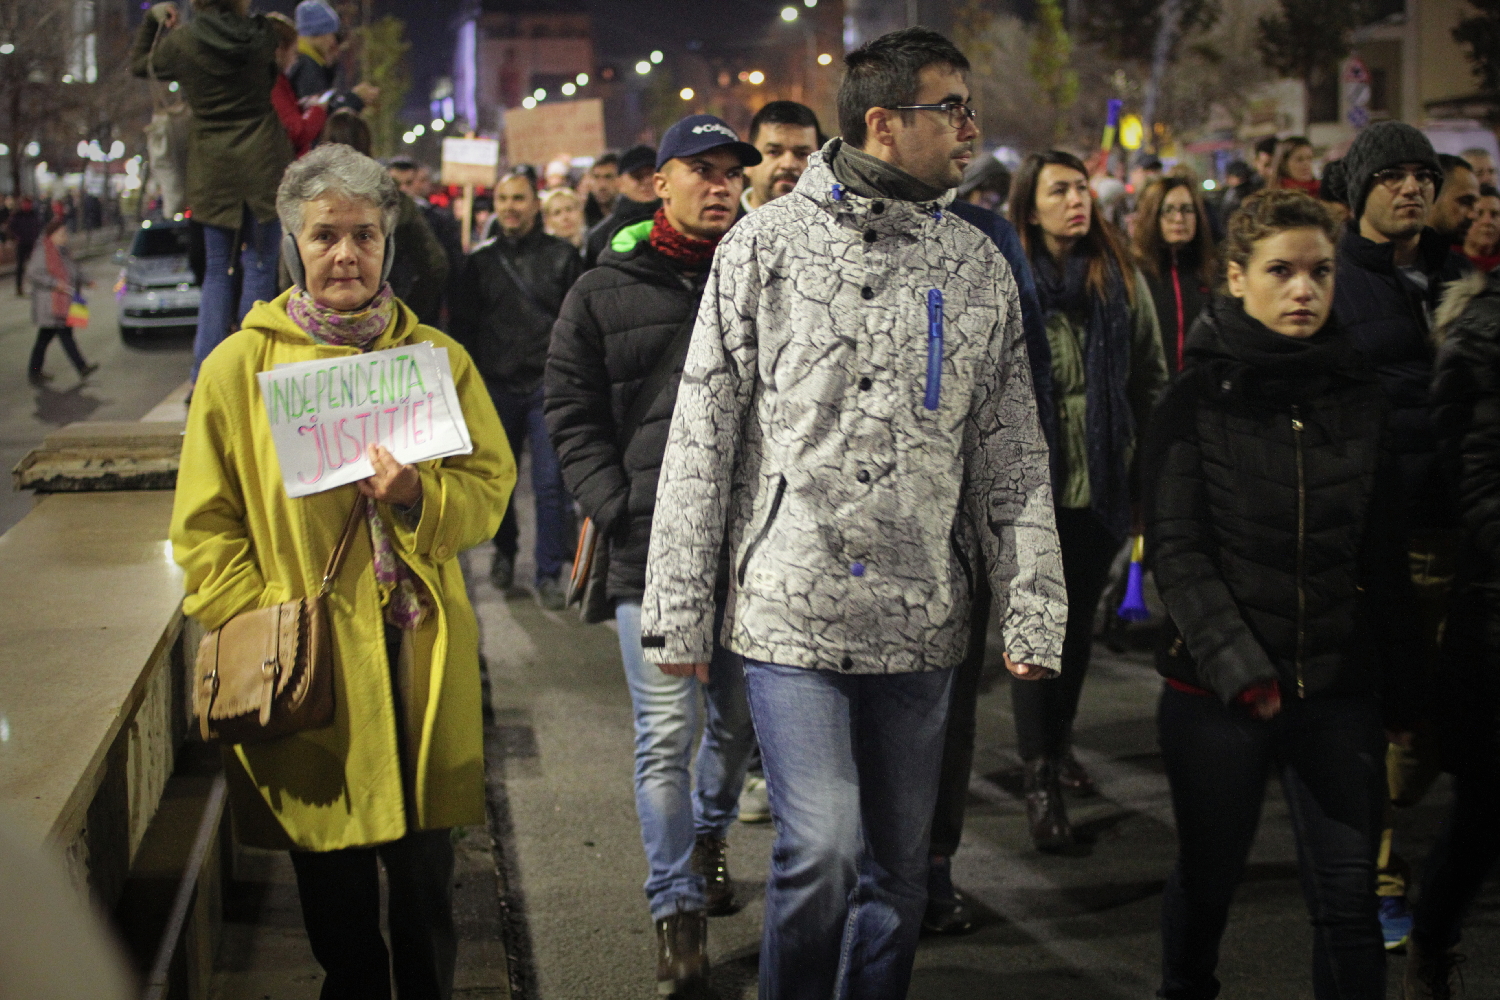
x=631, y=253
x=1457, y=298
x=886, y=216
x=1244, y=354
x=229, y=36
x=270, y=319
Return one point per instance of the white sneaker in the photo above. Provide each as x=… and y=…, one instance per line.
x=755, y=803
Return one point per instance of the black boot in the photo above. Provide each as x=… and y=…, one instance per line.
x=709, y=861
x=682, y=954
x=947, y=912
x=1046, y=815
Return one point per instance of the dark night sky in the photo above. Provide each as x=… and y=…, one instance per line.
x=623, y=29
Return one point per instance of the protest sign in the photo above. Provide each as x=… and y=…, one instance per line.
x=324, y=414
x=541, y=134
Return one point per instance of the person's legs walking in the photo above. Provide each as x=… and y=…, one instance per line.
x=424, y=944
x=1217, y=760
x=512, y=410
x=340, y=894
x=551, y=499
x=1332, y=758
x=258, y=262
x=44, y=335
x=899, y=723
x=719, y=772
x=215, y=303
x=804, y=721
x=1465, y=854
x=70, y=348
x=23, y=255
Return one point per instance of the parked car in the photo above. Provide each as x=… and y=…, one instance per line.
x=158, y=287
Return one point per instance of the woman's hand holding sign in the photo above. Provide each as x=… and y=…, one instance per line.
x=393, y=482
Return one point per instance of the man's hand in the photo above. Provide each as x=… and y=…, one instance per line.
x=165, y=14
x=393, y=482
x=367, y=92
x=699, y=670
x=1027, y=671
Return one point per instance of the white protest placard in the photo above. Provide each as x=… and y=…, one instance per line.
x=324, y=414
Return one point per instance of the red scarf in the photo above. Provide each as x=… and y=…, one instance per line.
x=1311, y=187
x=62, y=288
x=685, y=251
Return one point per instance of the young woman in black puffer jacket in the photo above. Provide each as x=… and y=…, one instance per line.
x=1271, y=527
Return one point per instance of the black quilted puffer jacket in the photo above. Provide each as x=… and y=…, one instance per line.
x=1272, y=517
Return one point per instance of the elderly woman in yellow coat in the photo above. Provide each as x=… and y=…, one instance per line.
x=403, y=762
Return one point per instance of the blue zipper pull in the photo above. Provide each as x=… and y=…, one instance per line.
x=837, y=192
x=934, y=348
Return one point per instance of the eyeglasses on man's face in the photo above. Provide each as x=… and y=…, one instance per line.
x=1180, y=211
x=959, y=114
x=1394, y=178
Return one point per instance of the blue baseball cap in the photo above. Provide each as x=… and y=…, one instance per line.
x=698, y=134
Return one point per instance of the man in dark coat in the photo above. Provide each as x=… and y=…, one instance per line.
x=503, y=310
x=637, y=201
x=1391, y=272
x=604, y=193
x=617, y=357
x=317, y=67
x=25, y=227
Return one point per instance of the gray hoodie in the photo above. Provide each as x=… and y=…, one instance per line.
x=856, y=517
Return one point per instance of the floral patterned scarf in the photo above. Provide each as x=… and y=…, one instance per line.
x=406, y=601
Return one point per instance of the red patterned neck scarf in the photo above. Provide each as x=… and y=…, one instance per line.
x=685, y=251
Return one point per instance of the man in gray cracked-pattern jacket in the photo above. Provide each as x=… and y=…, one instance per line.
x=856, y=423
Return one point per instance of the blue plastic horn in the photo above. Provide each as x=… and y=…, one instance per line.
x=1133, y=608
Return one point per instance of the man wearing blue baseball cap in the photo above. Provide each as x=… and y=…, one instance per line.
x=611, y=385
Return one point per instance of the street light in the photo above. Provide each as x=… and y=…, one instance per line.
x=686, y=93
x=438, y=124
x=569, y=89
x=789, y=14
x=408, y=138
x=656, y=55
x=418, y=130
x=756, y=78
x=825, y=59
x=528, y=102
x=643, y=67
x=33, y=148
x=583, y=79
x=809, y=4
x=7, y=49
x=539, y=94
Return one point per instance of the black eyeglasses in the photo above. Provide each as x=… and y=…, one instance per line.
x=1395, y=177
x=958, y=114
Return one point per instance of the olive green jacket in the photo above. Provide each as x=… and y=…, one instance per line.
x=237, y=147
x=1146, y=379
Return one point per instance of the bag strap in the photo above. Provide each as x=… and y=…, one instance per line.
x=671, y=361
x=357, y=514
x=521, y=283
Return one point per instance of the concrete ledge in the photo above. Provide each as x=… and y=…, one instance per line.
x=94, y=456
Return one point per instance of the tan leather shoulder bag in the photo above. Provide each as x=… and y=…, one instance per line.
x=269, y=672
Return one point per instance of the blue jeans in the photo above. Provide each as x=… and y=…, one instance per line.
x=673, y=814
x=852, y=766
x=258, y=263
x=521, y=416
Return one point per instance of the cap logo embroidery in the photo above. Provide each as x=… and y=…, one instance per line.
x=715, y=127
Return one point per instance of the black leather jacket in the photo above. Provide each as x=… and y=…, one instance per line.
x=505, y=326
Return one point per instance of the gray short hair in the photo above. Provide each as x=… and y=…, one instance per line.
x=336, y=169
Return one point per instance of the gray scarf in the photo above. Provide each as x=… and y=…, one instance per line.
x=871, y=177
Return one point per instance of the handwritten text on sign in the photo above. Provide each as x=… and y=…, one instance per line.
x=325, y=414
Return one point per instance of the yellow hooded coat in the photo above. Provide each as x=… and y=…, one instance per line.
x=244, y=544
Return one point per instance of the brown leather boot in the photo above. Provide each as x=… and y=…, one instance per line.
x=709, y=861
x=682, y=954
x=1073, y=777
x=1046, y=815
x=1429, y=974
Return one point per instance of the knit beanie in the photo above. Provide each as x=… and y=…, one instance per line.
x=1382, y=145
x=315, y=17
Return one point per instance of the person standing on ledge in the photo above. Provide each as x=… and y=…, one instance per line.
x=856, y=427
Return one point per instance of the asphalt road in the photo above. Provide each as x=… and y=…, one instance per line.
x=1068, y=927
x=131, y=380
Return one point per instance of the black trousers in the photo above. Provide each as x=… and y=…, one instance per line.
x=340, y=893
x=958, y=744
x=1465, y=854
x=1045, y=709
x=1330, y=756
x=23, y=254
x=44, y=337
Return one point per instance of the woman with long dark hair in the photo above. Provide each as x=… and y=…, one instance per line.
x=1174, y=248
x=1107, y=367
x=1272, y=528
x=1294, y=166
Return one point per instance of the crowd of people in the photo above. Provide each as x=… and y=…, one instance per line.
x=881, y=392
